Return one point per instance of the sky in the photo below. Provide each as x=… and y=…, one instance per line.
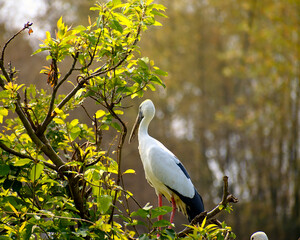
x=15, y=13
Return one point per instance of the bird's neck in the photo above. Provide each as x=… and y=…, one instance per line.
x=143, y=129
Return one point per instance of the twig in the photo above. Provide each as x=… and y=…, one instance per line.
x=21, y=155
x=53, y=216
x=226, y=199
x=50, y=116
x=26, y=25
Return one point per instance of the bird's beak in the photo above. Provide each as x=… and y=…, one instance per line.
x=136, y=126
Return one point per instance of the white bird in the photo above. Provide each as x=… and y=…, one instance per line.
x=163, y=170
x=259, y=236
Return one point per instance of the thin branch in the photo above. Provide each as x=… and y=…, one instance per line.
x=21, y=155
x=6, y=75
x=70, y=70
x=46, y=122
x=2, y=83
x=86, y=112
x=99, y=72
x=41, y=143
x=226, y=199
x=94, y=53
x=26, y=25
x=26, y=108
x=119, y=154
x=53, y=216
x=13, y=152
x=80, y=85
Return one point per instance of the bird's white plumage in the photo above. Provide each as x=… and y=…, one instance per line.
x=259, y=236
x=160, y=165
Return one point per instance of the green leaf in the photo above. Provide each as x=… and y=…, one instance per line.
x=143, y=63
x=160, y=72
x=4, y=169
x=4, y=94
x=79, y=28
x=160, y=211
x=157, y=80
x=161, y=223
x=171, y=233
x=36, y=171
x=157, y=13
x=116, y=126
x=7, y=183
x=144, y=237
x=74, y=133
x=16, y=186
x=158, y=7
x=104, y=203
x=40, y=50
x=141, y=213
x=22, y=162
x=116, y=25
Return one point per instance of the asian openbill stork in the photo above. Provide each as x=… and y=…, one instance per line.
x=163, y=170
x=259, y=236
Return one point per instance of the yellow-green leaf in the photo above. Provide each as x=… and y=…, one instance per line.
x=58, y=121
x=36, y=171
x=3, y=112
x=100, y=113
x=129, y=171
x=13, y=208
x=22, y=162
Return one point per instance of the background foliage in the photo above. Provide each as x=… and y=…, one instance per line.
x=231, y=105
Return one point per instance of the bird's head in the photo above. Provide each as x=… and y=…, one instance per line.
x=147, y=112
x=259, y=236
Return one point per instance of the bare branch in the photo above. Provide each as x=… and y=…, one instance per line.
x=226, y=199
x=26, y=25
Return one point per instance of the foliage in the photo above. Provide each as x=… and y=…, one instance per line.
x=58, y=179
x=211, y=231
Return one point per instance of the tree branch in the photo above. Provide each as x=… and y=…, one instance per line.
x=49, y=117
x=226, y=199
x=21, y=155
x=26, y=25
x=41, y=144
x=11, y=151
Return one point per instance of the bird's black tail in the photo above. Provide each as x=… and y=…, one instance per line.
x=194, y=206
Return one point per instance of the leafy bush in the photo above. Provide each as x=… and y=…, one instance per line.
x=57, y=179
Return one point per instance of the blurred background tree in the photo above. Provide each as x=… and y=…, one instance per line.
x=231, y=106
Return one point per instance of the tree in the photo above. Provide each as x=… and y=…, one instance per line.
x=53, y=167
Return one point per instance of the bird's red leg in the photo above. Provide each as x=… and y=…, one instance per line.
x=173, y=210
x=160, y=216
x=160, y=204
